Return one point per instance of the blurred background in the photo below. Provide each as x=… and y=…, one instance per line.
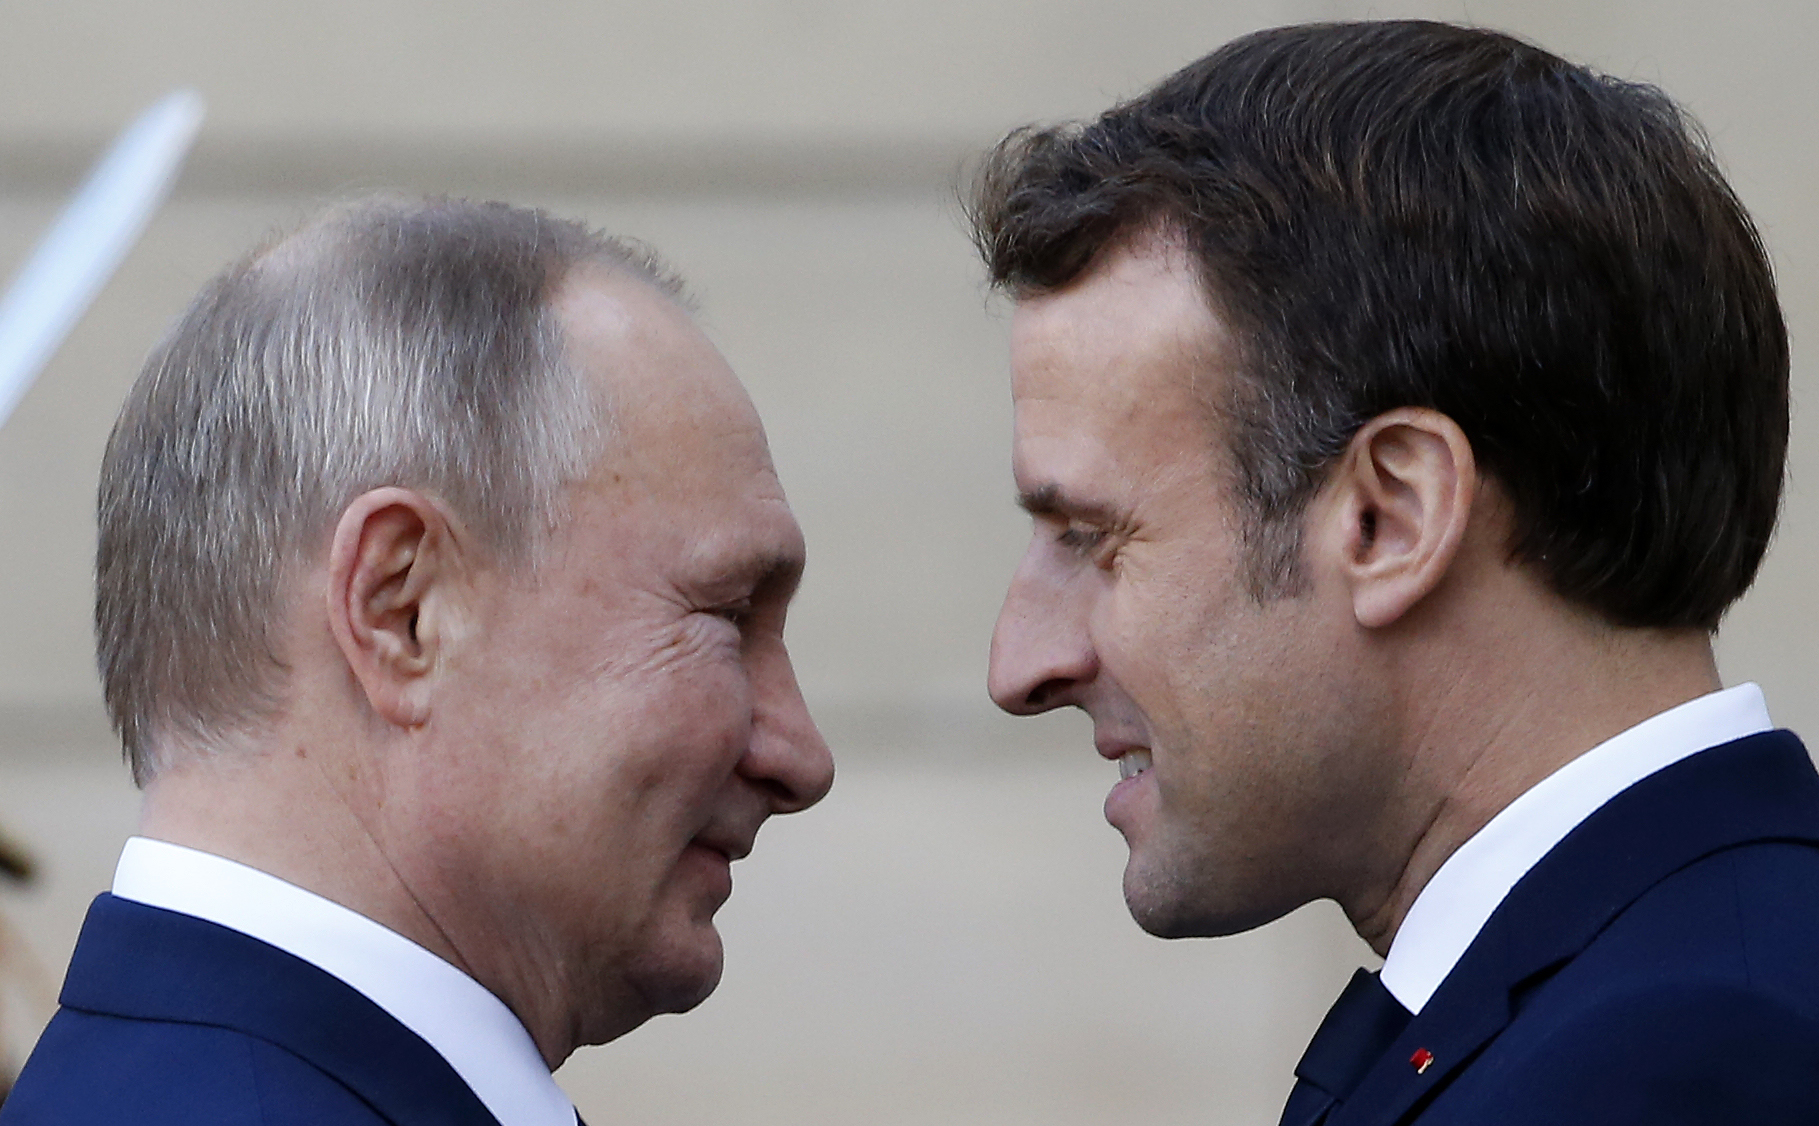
x=943, y=941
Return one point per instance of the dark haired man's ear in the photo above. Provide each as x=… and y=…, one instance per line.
x=391, y=564
x=1400, y=500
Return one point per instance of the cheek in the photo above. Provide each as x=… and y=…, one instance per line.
x=584, y=750
x=1165, y=643
x=675, y=725
x=691, y=689
x=1216, y=676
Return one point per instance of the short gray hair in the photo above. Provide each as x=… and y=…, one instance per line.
x=389, y=341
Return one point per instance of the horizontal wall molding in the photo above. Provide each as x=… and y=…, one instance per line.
x=683, y=167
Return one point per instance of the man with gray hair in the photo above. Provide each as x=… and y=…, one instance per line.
x=440, y=595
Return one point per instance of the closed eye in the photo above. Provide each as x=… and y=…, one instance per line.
x=1081, y=538
x=737, y=613
x=1090, y=529
x=1085, y=539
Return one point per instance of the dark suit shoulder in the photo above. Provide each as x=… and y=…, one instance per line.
x=170, y=1018
x=91, y=1069
x=1699, y=1003
x=1676, y=1053
x=1655, y=966
x=1777, y=903
x=1746, y=917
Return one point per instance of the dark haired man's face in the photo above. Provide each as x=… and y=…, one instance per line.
x=1240, y=728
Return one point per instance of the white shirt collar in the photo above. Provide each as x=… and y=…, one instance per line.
x=467, y=1025
x=1456, y=903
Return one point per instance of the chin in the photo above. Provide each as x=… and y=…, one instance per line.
x=685, y=994
x=682, y=975
x=1167, y=920
x=651, y=987
x=1169, y=907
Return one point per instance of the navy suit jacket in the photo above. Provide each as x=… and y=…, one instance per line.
x=166, y=1018
x=1660, y=965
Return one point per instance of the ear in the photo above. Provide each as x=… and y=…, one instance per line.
x=393, y=565
x=1400, y=500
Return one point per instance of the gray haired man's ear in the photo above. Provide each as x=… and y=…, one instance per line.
x=393, y=561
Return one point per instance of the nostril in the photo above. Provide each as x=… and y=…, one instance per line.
x=1045, y=695
x=783, y=797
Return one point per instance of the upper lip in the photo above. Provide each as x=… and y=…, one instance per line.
x=1112, y=747
x=731, y=845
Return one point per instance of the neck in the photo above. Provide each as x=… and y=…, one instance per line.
x=1508, y=713
x=285, y=810
x=312, y=811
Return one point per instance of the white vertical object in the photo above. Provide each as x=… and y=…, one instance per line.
x=86, y=244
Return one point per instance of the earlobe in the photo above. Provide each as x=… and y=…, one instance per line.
x=389, y=570
x=1402, y=500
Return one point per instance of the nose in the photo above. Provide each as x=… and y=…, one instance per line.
x=1042, y=650
x=787, y=758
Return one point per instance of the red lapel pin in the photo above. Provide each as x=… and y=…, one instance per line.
x=1421, y=1059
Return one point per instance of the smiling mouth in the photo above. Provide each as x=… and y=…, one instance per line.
x=1133, y=763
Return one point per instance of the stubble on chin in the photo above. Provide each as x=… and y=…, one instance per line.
x=1178, y=901
x=1158, y=900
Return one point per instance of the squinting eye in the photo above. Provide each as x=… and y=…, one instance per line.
x=1081, y=539
x=735, y=612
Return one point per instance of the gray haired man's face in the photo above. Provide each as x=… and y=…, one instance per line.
x=618, y=723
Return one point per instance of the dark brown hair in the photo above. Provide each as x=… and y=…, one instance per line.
x=1416, y=214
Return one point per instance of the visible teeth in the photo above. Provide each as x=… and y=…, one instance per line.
x=1133, y=763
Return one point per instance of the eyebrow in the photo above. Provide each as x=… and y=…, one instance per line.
x=755, y=572
x=1051, y=500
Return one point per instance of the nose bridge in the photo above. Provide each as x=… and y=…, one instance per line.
x=1041, y=646
x=787, y=751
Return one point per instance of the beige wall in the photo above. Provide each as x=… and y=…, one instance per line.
x=942, y=941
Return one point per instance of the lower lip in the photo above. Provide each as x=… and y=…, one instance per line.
x=1122, y=795
x=718, y=869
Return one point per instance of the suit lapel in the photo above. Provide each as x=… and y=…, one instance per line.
x=1757, y=789
x=1361, y=1024
x=150, y=964
x=1442, y=1038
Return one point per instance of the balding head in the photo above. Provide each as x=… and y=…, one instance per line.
x=443, y=574
x=388, y=341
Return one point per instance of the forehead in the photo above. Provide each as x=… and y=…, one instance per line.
x=686, y=458
x=1116, y=373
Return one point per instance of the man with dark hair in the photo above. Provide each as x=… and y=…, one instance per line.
x=1400, y=408
x=440, y=596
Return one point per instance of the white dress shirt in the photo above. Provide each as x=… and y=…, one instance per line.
x=466, y=1024
x=1459, y=900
